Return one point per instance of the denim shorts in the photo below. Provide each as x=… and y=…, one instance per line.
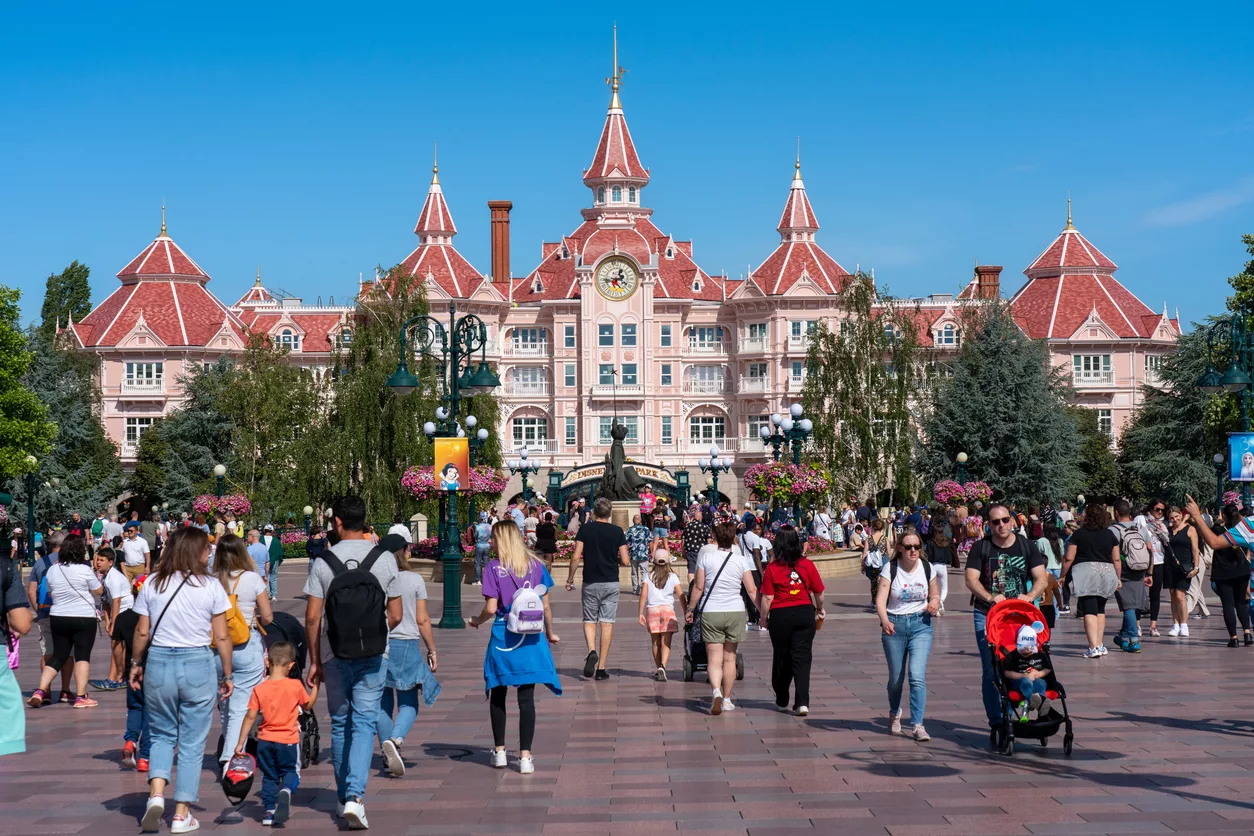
x=600, y=602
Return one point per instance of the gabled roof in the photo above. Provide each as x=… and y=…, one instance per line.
x=797, y=253
x=256, y=295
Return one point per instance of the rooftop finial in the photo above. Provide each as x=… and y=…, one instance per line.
x=435, y=164
x=1068, y=227
x=616, y=75
x=163, y=233
x=797, y=174
x=258, y=284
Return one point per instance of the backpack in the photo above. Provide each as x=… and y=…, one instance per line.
x=892, y=570
x=526, y=611
x=236, y=625
x=356, y=605
x=1036, y=530
x=875, y=556
x=1133, y=549
x=43, y=598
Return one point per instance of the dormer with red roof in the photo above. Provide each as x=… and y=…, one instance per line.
x=257, y=296
x=798, y=262
x=436, y=261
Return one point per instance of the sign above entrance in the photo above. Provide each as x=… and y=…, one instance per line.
x=649, y=472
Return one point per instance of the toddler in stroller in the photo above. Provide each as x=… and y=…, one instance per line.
x=1033, y=701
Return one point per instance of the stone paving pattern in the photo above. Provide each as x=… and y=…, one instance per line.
x=1164, y=743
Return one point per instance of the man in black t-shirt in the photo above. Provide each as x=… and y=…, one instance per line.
x=603, y=548
x=1000, y=566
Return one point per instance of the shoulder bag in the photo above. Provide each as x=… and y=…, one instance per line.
x=152, y=634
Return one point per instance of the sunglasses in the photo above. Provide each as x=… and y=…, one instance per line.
x=912, y=548
x=999, y=521
x=1159, y=510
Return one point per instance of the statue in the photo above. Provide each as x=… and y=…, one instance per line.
x=620, y=481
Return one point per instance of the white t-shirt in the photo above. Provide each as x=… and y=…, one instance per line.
x=725, y=597
x=664, y=597
x=823, y=525
x=749, y=541
x=412, y=590
x=188, y=620
x=249, y=588
x=70, y=586
x=908, y=594
x=133, y=551
x=118, y=588
x=1153, y=536
x=403, y=530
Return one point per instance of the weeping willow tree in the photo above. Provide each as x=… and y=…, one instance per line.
x=863, y=384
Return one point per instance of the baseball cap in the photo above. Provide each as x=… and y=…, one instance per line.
x=268, y=527
x=661, y=557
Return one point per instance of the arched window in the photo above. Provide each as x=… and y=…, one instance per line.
x=616, y=194
x=601, y=195
x=289, y=340
x=631, y=194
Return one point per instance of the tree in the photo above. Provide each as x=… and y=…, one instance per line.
x=1005, y=407
x=1243, y=283
x=862, y=383
x=68, y=294
x=1099, y=469
x=25, y=429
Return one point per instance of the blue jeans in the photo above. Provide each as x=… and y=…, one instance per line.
x=908, y=647
x=992, y=702
x=272, y=581
x=1028, y=687
x=280, y=770
x=179, y=692
x=354, y=688
x=137, y=722
x=1128, y=633
x=406, y=713
x=248, y=666
x=482, y=553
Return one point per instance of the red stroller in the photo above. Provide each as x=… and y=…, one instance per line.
x=1004, y=621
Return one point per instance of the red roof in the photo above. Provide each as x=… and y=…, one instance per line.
x=435, y=219
x=616, y=155
x=162, y=258
x=798, y=215
x=1070, y=251
x=317, y=327
x=435, y=255
x=797, y=253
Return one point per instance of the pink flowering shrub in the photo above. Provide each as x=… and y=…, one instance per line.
x=948, y=492
x=782, y=481
x=1232, y=498
x=977, y=491
x=235, y=503
x=485, y=481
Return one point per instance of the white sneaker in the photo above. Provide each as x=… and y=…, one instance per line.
x=392, y=755
x=728, y=705
x=184, y=825
x=894, y=723
x=1184, y=631
x=355, y=815
x=151, y=821
x=920, y=734
x=1175, y=630
x=1101, y=648
x=716, y=707
x=526, y=765
x=1092, y=653
x=500, y=760
x=802, y=710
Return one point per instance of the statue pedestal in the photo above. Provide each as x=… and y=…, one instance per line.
x=624, y=510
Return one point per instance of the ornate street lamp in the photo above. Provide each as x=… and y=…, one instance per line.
x=1236, y=351
x=524, y=467
x=453, y=348
x=714, y=465
x=1221, y=465
x=308, y=519
x=790, y=429
x=961, y=459
x=219, y=470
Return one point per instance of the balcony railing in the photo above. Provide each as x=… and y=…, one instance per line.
x=515, y=349
x=799, y=342
x=795, y=384
x=130, y=449
x=1101, y=378
x=754, y=344
x=534, y=446
x=754, y=384
x=143, y=385
x=1152, y=378
x=622, y=390
x=527, y=387
x=706, y=387
x=707, y=347
x=753, y=446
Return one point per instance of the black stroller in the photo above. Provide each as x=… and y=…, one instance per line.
x=1004, y=621
x=287, y=627
x=695, y=659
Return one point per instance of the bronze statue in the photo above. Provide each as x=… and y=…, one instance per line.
x=620, y=481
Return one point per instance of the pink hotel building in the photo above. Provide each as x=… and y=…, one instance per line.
x=619, y=309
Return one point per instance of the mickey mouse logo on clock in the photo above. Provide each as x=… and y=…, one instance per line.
x=617, y=279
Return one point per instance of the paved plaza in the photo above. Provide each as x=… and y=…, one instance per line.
x=1163, y=743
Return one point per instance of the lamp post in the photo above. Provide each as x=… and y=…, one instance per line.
x=308, y=520
x=714, y=465
x=453, y=347
x=1238, y=346
x=1220, y=466
x=478, y=439
x=961, y=459
x=524, y=467
x=790, y=429
x=32, y=485
x=219, y=470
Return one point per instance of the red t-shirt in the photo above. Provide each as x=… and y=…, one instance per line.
x=791, y=587
x=277, y=700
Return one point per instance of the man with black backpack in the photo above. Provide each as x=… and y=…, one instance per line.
x=354, y=585
x=1000, y=566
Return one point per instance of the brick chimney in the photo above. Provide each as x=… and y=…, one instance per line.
x=988, y=281
x=499, y=210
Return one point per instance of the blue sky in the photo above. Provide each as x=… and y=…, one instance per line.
x=298, y=136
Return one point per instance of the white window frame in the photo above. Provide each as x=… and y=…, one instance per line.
x=631, y=422
x=569, y=376
x=668, y=430
x=529, y=431
x=667, y=378
x=707, y=429
x=627, y=333
x=572, y=437
x=947, y=335
x=630, y=375
x=754, y=425
x=1106, y=422
x=136, y=427
x=289, y=339
x=605, y=335
x=1092, y=368
x=665, y=337
x=605, y=374
x=568, y=336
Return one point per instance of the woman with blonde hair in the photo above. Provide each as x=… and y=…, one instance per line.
x=521, y=659
x=238, y=575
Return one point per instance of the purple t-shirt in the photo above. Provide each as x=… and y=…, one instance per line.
x=499, y=584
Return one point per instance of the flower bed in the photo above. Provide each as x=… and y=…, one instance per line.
x=234, y=503
x=782, y=482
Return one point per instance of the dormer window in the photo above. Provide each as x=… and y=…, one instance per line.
x=670, y=252
x=616, y=194
x=631, y=194
x=601, y=195
x=696, y=285
x=565, y=251
x=538, y=287
x=947, y=335
x=289, y=340
x=346, y=337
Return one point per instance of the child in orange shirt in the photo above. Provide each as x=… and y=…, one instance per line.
x=278, y=698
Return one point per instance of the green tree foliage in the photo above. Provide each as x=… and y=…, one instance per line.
x=1005, y=407
x=1243, y=283
x=68, y=294
x=1099, y=469
x=25, y=429
x=860, y=388
x=1167, y=447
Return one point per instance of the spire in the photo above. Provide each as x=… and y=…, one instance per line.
x=258, y=282
x=615, y=162
x=435, y=163
x=797, y=223
x=1069, y=227
x=435, y=224
x=163, y=232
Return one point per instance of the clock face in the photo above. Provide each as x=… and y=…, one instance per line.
x=617, y=279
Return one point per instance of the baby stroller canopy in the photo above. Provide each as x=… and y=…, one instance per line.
x=1006, y=618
